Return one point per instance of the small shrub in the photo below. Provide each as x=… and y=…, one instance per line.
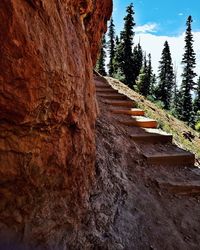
x=161, y=123
x=159, y=104
x=197, y=126
x=151, y=98
x=119, y=75
x=173, y=112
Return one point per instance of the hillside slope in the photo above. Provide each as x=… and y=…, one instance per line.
x=183, y=136
x=135, y=205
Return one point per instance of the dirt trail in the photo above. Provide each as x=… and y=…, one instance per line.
x=132, y=205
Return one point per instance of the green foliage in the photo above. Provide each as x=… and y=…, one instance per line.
x=188, y=75
x=166, y=77
x=142, y=78
x=149, y=75
x=197, y=98
x=186, y=102
x=161, y=124
x=143, y=84
x=137, y=61
x=118, y=60
x=119, y=75
x=159, y=104
x=100, y=66
x=125, y=53
x=197, y=121
x=176, y=102
x=111, y=47
x=153, y=86
x=151, y=98
x=197, y=126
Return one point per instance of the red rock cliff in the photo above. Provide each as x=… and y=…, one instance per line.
x=47, y=113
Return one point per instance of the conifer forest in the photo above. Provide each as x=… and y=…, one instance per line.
x=129, y=63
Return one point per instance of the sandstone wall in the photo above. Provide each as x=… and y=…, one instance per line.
x=47, y=114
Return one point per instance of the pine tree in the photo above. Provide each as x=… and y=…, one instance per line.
x=127, y=42
x=197, y=98
x=100, y=66
x=118, y=60
x=111, y=47
x=153, y=86
x=149, y=75
x=174, y=89
x=166, y=77
x=117, y=57
x=117, y=40
x=188, y=75
x=176, y=96
x=142, y=84
x=137, y=61
x=176, y=101
x=197, y=107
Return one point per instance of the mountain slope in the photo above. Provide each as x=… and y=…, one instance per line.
x=183, y=136
x=135, y=205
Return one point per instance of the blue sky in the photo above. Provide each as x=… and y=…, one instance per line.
x=169, y=16
x=161, y=20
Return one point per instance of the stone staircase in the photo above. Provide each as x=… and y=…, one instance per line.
x=181, y=187
x=152, y=136
x=146, y=134
x=130, y=111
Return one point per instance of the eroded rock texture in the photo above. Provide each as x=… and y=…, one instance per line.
x=47, y=116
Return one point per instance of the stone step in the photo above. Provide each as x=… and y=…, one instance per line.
x=133, y=111
x=105, y=91
x=152, y=136
x=122, y=103
x=113, y=96
x=140, y=121
x=102, y=86
x=188, y=187
x=181, y=157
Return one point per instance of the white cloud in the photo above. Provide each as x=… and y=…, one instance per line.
x=154, y=44
x=180, y=14
x=146, y=28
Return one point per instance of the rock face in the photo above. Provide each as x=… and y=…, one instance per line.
x=47, y=116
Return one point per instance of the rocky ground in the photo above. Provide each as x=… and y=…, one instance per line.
x=131, y=208
x=132, y=205
x=54, y=193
